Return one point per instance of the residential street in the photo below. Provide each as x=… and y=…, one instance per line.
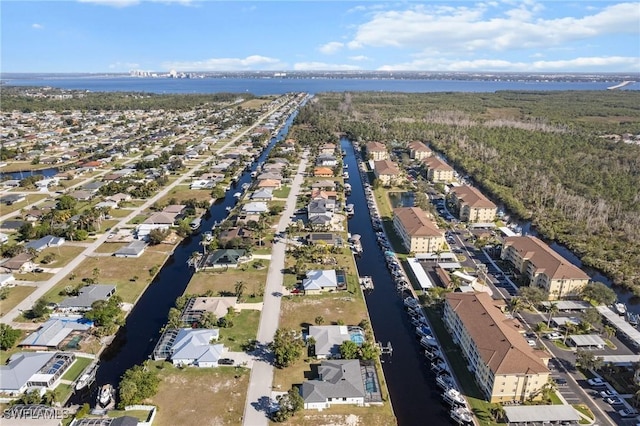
x=261, y=379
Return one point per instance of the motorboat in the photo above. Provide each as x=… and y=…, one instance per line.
x=411, y=302
x=444, y=381
x=87, y=377
x=195, y=224
x=238, y=194
x=106, y=397
x=620, y=308
x=453, y=397
x=428, y=341
x=461, y=415
x=439, y=367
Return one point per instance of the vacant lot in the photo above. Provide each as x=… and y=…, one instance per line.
x=16, y=295
x=61, y=255
x=224, y=281
x=201, y=396
x=183, y=193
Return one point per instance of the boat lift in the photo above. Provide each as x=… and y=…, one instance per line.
x=385, y=350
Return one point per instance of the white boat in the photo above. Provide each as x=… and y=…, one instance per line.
x=345, y=175
x=452, y=396
x=228, y=208
x=411, y=302
x=106, y=396
x=195, y=223
x=428, y=341
x=461, y=415
x=433, y=354
x=349, y=209
x=620, y=308
x=347, y=188
x=87, y=377
x=444, y=381
x=238, y=194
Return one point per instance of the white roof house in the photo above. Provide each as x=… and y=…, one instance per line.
x=193, y=347
x=320, y=280
x=54, y=331
x=255, y=207
x=33, y=370
x=328, y=339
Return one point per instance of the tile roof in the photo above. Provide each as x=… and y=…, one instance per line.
x=386, y=167
x=546, y=260
x=472, y=197
x=416, y=222
x=436, y=164
x=499, y=343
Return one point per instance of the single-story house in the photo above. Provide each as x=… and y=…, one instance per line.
x=322, y=220
x=10, y=199
x=93, y=186
x=54, y=331
x=197, y=306
x=45, y=242
x=161, y=218
x=86, y=296
x=323, y=172
x=3, y=238
x=339, y=382
x=262, y=195
x=82, y=195
x=202, y=184
x=324, y=238
x=6, y=279
x=269, y=184
x=134, y=249
x=193, y=347
x=107, y=205
x=233, y=233
x=33, y=370
x=327, y=160
x=18, y=262
x=143, y=230
x=328, y=339
x=319, y=280
x=12, y=225
x=255, y=207
x=269, y=176
x=224, y=258
x=119, y=197
x=324, y=184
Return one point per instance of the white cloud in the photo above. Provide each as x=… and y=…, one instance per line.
x=124, y=66
x=331, y=47
x=477, y=27
x=359, y=58
x=127, y=3
x=253, y=62
x=323, y=66
x=37, y=26
x=604, y=63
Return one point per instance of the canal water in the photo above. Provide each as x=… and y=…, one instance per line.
x=415, y=397
x=135, y=341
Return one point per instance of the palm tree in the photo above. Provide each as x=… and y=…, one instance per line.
x=516, y=304
x=553, y=310
x=609, y=331
x=239, y=288
x=568, y=329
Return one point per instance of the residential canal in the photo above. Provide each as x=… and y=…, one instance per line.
x=414, y=395
x=135, y=341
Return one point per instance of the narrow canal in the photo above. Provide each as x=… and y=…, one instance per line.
x=415, y=397
x=134, y=342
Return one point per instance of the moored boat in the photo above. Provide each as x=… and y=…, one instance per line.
x=620, y=308
x=106, y=397
x=452, y=396
x=461, y=415
x=87, y=377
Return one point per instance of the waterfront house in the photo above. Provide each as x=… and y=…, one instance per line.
x=202, y=184
x=255, y=207
x=319, y=281
x=34, y=370
x=437, y=170
x=418, y=150
x=419, y=234
x=54, y=332
x=197, y=306
x=262, y=195
x=320, y=207
x=143, y=230
x=328, y=339
x=328, y=148
x=271, y=184
x=505, y=367
x=85, y=298
x=338, y=382
x=544, y=267
x=133, y=249
x=377, y=151
x=324, y=184
x=323, y=172
x=326, y=160
x=327, y=238
x=193, y=347
x=472, y=205
x=387, y=172
x=161, y=218
x=225, y=258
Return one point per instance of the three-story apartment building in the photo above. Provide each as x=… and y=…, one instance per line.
x=472, y=205
x=419, y=233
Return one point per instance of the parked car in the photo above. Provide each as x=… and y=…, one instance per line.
x=38, y=270
x=628, y=413
x=608, y=393
x=225, y=361
x=614, y=400
x=553, y=336
x=596, y=381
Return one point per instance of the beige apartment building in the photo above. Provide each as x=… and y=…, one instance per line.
x=418, y=150
x=438, y=170
x=544, y=267
x=505, y=367
x=377, y=151
x=472, y=205
x=418, y=232
x=387, y=171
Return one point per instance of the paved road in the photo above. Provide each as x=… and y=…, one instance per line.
x=262, y=372
x=45, y=286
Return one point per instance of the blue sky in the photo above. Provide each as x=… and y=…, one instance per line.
x=192, y=35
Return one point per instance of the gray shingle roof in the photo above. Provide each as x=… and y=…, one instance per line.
x=21, y=367
x=328, y=338
x=338, y=379
x=87, y=296
x=55, y=330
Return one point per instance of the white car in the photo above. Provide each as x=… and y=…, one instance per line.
x=553, y=336
x=596, y=381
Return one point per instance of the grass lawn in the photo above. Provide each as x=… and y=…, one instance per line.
x=138, y=219
x=64, y=392
x=282, y=192
x=16, y=295
x=113, y=270
x=141, y=415
x=346, y=414
x=119, y=213
x=584, y=410
x=193, y=394
x=5, y=355
x=31, y=198
x=300, y=311
x=245, y=328
x=63, y=255
x=224, y=281
x=183, y=193
x=77, y=368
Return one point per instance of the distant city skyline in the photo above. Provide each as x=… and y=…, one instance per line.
x=115, y=36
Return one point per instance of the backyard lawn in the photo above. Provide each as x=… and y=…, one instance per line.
x=224, y=282
x=77, y=368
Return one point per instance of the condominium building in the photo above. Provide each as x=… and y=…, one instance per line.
x=386, y=171
x=418, y=150
x=377, y=151
x=472, y=206
x=505, y=367
x=438, y=170
x=544, y=267
x=419, y=234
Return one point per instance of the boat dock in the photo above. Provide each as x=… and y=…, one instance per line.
x=366, y=283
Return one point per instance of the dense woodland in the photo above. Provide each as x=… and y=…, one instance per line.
x=547, y=156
